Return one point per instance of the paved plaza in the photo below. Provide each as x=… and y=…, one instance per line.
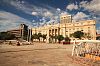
x=39, y=54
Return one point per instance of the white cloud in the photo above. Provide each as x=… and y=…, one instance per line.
x=8, y=15
x=43, y=19
x=48, y=14
x=58, y=9
x=20, y=5
x=33, y=9
x=33, y=21
x=72, y=6
x=34, y=13
x=42, y=11
x=11, y=21
x=64, y=13
x=93, y=5
x=80, y=16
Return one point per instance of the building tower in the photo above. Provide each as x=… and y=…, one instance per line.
x=65, y=19
x=23, y=31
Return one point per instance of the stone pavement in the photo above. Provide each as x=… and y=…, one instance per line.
x=35, y=46
x=39, y=54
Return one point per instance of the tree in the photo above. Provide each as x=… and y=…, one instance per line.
x=34, y=36
x=38, y=36
x=44, y=37
x=51, y=38
x=60, y=38
x=55, y=37
x=98, y=38
x=78, y=34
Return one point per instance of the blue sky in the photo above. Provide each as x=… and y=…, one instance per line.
x=41, y=12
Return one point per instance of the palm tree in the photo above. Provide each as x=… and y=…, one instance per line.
x=38, y=36
x=44, y=37
x=34, y=36
x=51, y=38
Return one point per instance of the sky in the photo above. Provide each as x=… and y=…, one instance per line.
x=41, y=12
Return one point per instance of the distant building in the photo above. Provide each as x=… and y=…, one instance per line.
x=67, y=27
x=21, y=32
x=15, y=32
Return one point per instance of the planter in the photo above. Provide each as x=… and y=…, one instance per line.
x=89, y=56
x=97, y=58
x=66, y=42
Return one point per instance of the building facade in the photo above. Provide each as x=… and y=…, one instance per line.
x=16, y=32
x=21, y=32
x=66, y=27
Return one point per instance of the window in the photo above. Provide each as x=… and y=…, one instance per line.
x=64, y=17
x=81, y=23
x=88, y=27
x=77, y=28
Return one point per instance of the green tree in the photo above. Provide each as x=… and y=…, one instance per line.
x=55, y=37
x=39, y=36
x=60, y=38
x=51, y=38
x=34, y=36
x=98, y=38
x=78, y=34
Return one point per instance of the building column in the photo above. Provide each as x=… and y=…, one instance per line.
x=47, y=39
x=64, y=31
x=54, y=35
x=58, y=31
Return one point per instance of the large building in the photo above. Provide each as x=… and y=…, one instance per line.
x=66, y=27
x=21, y=32
x=16, y=32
